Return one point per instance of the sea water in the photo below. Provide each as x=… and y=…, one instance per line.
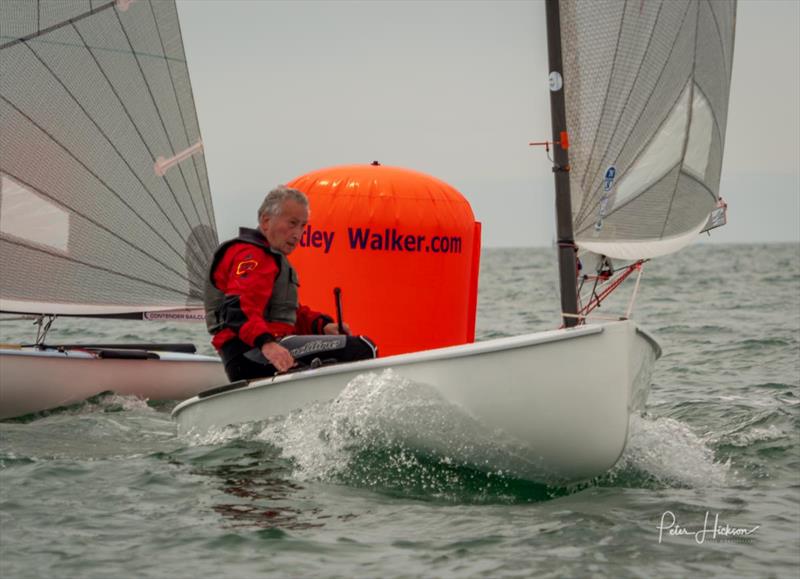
x=708, y=485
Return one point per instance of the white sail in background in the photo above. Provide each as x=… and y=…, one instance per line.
x=646, y=84
x=95, y=98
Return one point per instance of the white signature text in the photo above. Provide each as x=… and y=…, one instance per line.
x=713, y=532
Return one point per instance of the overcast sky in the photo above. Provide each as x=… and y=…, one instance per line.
x=457, y=90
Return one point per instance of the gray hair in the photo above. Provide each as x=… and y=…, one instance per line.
x=273, y=202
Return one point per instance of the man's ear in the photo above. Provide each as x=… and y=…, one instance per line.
x=262, y=222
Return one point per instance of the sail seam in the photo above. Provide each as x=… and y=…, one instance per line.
x=207, y=200
x=160, y=118
x=644, y=146
x=622, y=205
x=180, y=110
x=25, y=39
x=705, y=187
x=183, y=122
x=590, y=199
x=88, y=170
x=728, y=62
x=688, y=122
x=111, y=86
x=99, y=225
x=590, y=161
x=43, y=42
x=717, y=126
x=627, y=202
x=7, y=239
x=113, y=146
x=728, y=69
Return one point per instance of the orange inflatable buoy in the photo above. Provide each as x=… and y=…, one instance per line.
x=404, y=248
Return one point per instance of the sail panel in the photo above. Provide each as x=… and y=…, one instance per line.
x=646, y=86
x=655, y=101
x=691, y=199
x=624, y=223
x=661, y=154
x=27, y=216
x=92, y=95
x=698, y=145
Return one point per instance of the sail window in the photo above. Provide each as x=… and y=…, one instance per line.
x=28, y=216
x=700, y=131
x=661, y=155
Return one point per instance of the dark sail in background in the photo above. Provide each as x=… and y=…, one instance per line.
x=105, y=205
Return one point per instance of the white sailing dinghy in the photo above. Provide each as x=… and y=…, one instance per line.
x=639, y=105
x=105, y=207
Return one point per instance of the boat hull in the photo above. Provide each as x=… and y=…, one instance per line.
x=33, y=380
x=562, y=399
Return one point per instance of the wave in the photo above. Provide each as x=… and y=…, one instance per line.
x=103, y=402
x=665, y=452
x=399, y=437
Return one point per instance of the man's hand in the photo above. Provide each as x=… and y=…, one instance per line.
x=333, y=328
x=278, y=356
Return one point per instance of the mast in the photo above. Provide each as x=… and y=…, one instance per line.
x=567, y=264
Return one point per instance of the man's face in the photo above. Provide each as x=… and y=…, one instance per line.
x=283, y=231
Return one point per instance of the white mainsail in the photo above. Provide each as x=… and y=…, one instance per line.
x=646, y=85
x=105, y=206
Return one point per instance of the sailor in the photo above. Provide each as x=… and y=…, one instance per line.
x=251, y=301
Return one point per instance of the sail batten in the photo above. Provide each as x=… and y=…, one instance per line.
x=208, y=214
x=90, y=97
x=159, y=115
x=59, y=199
x=133, y=124
x=646, y=87
x=95, y=171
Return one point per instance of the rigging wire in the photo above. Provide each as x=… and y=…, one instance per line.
x=613, y=280
x=42, y=327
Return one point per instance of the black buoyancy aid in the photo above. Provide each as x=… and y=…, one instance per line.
x=282, y=305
